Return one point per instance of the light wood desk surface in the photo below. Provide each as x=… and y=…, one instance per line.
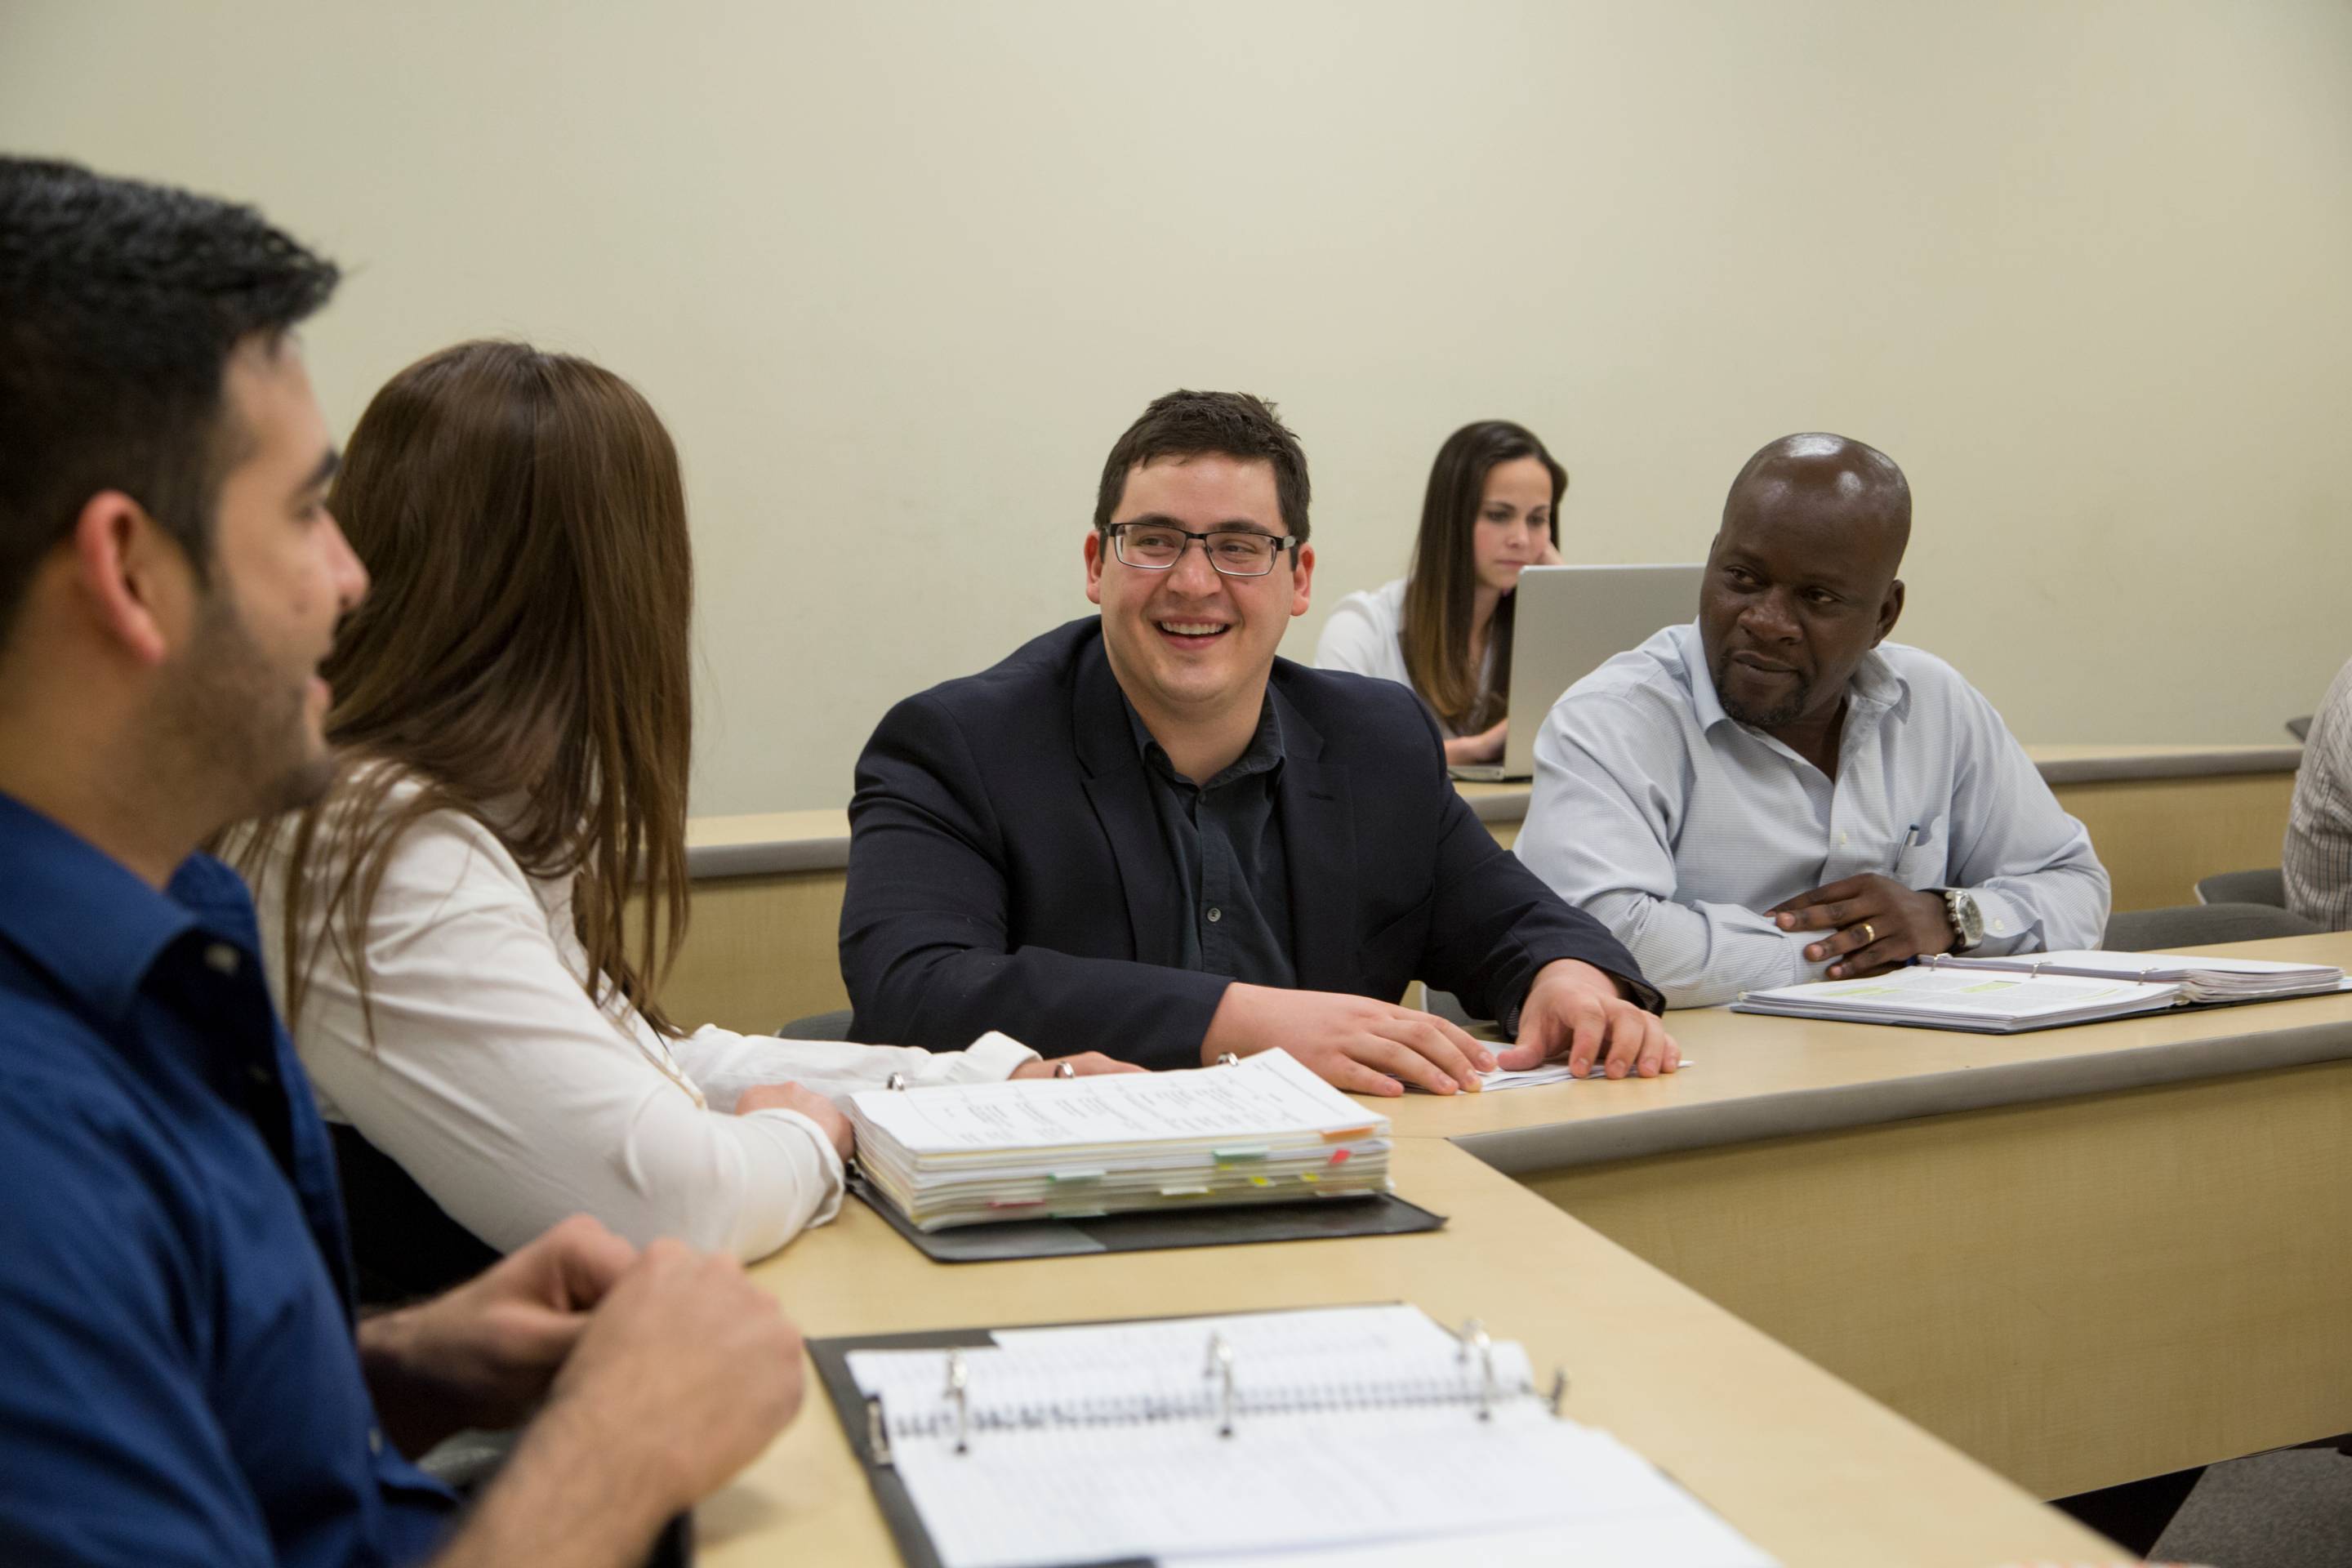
x=1811, y=1470
x=2083, y=1256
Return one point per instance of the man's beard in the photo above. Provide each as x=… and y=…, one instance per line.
x=1773, y=717
x=239, y=724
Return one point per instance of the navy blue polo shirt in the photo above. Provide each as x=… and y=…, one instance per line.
x=178, y=1379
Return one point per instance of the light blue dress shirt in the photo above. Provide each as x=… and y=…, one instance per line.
x=1678, y=827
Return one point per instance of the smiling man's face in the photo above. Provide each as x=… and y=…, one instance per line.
x=1188, y=644
x=1800, y=586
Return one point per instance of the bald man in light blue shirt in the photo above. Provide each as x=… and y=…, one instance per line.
x=1775, y=793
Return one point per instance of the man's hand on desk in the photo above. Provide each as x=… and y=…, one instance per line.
x=1875, y=923
x=1350, y=1042
x=1577, y=1011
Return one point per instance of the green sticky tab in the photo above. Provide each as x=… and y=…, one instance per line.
x=1231, y=1156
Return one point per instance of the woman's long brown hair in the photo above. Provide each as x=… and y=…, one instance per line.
x=523, y=654
x=1439, y=587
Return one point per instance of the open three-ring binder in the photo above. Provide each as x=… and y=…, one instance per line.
x=1273, y=1436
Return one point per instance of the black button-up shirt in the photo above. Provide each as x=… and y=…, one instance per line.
x=1225, y=837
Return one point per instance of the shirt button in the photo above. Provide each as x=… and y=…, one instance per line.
x=1216, y=914
x=375, y=1441
x=1840, y=840
x=2000, y=927
x=260, y=1075
x=222, y=958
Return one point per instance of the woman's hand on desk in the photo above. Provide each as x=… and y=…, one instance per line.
x=808, y=1102
x=1485, y=746
x=1577, y=1011
x=1086, y=1064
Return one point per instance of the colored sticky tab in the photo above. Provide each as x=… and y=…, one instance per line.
x=1309, y=1176
x=1235, y=1156
x=1339, y=1156
x=1346, y=1132
x=1074, y=1175
x=1261, y=1181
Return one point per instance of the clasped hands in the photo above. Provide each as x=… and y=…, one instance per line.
x=1875, y=924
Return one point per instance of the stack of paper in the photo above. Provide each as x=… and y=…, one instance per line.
x=1290, y=1437
x=2201, y=979
x=1947, y=998
x=1266, y=1131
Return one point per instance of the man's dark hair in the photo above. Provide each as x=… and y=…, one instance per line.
x=120, y=303
x=1193, y=424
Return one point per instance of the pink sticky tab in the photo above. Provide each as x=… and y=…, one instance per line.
x=1338, y=1155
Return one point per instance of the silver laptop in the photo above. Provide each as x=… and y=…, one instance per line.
x=1569, y=621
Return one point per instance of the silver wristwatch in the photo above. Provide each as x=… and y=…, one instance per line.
x=1968, y=920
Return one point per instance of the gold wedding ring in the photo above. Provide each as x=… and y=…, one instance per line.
x=1869, y=933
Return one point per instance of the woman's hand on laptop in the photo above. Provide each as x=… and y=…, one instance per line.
x=1485, y=746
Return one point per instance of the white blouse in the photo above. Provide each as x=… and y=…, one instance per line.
x=1365, y=634
x=515, y=1101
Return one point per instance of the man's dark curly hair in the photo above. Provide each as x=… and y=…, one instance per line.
x=120, y=304
x=1194, y=424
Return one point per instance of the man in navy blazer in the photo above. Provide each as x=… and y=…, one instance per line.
x=1033, y=850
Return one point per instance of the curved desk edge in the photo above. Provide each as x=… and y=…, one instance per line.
x=708, y=862
x=1508, y=804
x=1566, y=1144
x=2218, y=764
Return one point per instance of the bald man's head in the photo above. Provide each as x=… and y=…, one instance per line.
x=1830, y=477
x=1801, y=579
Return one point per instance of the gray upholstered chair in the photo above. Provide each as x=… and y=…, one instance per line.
x=2262, y=887
x=2195, y=925
x=818, y=1027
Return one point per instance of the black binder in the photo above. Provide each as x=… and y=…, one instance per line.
x=1315, y=1220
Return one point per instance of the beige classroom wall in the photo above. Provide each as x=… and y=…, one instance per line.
x=897, y=274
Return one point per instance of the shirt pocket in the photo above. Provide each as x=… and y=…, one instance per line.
x=1920, y=863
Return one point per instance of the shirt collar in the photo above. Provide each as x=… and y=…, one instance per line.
x=1874, y=684
x=80, y=914
x=1263, y=754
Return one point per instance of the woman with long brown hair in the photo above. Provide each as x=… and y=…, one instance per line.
x=466, y=934
x=1492, y=510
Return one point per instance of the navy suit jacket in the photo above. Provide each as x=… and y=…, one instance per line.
x=1006, y=870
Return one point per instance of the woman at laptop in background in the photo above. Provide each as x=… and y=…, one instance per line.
x=1445, y=629
x=450, y=929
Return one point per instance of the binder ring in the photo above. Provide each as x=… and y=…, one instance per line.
x=1220, y=1367
x=959, y=1390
